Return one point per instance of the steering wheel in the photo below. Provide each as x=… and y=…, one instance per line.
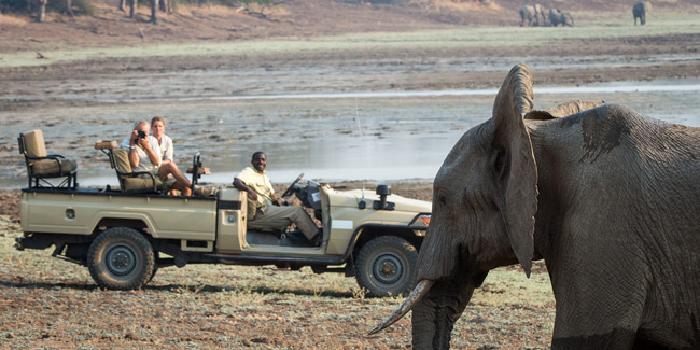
x=290, y=189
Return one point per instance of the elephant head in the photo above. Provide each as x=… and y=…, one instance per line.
x=484, y=202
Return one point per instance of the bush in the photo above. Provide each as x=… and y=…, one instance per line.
x=85, y=7
x=13, y=5
x=80, y=7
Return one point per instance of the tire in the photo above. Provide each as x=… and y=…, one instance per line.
x=387, y=266
x=121, y=258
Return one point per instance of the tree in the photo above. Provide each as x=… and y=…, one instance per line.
x=69, y=8
x=154, y=12
x=42, y=10
x=133, y=4
x=165, y=6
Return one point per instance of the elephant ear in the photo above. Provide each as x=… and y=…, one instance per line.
x=515, y=169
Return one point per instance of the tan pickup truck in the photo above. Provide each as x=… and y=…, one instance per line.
x=124, y=237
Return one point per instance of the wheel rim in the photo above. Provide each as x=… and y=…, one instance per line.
x=388, y=269
x=121, y=260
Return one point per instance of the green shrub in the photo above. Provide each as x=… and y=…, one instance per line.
x=85, y=7
x=80, y=7
x=13, y=5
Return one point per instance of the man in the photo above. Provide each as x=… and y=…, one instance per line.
x=145, y=155
x=164, y=141
x=261, y=195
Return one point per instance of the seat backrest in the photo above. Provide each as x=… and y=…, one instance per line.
x=34, y=144
x=121, y=161
x=106, y=145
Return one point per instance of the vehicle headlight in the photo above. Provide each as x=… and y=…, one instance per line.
x=422, y=220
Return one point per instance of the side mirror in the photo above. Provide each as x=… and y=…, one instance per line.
x=383, y=191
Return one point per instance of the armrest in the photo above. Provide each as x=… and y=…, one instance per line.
x=106, y=145
x=50, y=156
x=200, y=171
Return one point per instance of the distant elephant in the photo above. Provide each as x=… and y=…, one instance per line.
x=535, y=15
x=527, y=15
x=540, y=15
x=640, y=10
x=609, y=199
x=566, y=19
x=557, y=18
x=554, y=16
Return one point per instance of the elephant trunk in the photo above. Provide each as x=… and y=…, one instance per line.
x=435, y=315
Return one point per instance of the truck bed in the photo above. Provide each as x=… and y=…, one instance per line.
x=82, y=210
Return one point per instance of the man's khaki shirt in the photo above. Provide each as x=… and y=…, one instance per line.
x=260, y=184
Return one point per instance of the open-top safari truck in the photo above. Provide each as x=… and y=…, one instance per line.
x=124, y=234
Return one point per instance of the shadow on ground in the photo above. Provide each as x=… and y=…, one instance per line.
x=174, y=287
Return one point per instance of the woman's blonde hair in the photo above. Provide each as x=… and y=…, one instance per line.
x=158, y=118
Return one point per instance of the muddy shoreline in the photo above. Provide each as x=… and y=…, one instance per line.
x=107, y=81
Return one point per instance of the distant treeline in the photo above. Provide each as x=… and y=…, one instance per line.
x=37, y=8
x=82, y=7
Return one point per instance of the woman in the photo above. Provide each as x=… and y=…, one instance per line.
x=164, y=141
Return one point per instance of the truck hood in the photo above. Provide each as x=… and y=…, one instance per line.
x=351, y=199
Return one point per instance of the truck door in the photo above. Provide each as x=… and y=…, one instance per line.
x=232, y=222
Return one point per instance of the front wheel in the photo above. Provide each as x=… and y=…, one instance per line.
x=121, y=258
x=387, y=266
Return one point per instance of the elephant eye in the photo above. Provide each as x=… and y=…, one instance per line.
x=442, y=200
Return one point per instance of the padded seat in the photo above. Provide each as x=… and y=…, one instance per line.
x=48, y=168
x=206, y=190
x=137, y=181
x=41, y=165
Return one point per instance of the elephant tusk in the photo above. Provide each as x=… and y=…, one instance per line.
x=422, y=288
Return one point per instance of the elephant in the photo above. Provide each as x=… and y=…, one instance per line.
x=562, y=18
x=535, y=15
x=566, y=19
x=640, y=10
x=607, y=197
x=554, y=16
x=527, y=14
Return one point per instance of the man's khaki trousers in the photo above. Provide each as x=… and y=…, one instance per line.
x=278, y=218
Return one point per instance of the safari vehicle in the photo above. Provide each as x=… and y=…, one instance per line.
x=125, y=234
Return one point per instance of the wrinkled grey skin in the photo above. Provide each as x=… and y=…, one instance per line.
x=639, y=10
x=535, y=15
x=560, y=18
x=609, y=198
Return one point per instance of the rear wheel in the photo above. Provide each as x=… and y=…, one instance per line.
x=387, y=266
x=121, y=258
